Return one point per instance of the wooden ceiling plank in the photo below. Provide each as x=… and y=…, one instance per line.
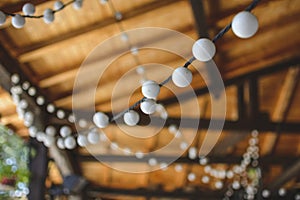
x=26, y=54
x=282, y=106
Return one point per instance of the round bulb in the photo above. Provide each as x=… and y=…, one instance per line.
x=60, y=114
x=178, y=168
x=65, y=131
x=32, y=131
x=219, y=184
x=183, y=145
x=28, y=9
x=139, y=155
x=244, y=24
x=82, y=140
x=40, y=100
x=182, y=77
x=49, y=141
x=152, y=162
x=266, y=193
x=31, y=91
x=48, y=16
x=26, y=85
x=93, y=137
x=60, y=143
x=77, y=5
x=205, y=179
x=193, y=153
x=282, y=192
x=50, y=108
x=100, y=119
x=15, y=78
x=2, y=18
x=58, y=5
x=150, y=89
x=40, y=136
x=119, y=16
x=82, y=123
x=204, y=49
x=18, y=21
x=23, y=104
x=148, y=106
x=70, y=142
x=50, y=130
x=131, y=118
x=191, y=177
x=236, y=185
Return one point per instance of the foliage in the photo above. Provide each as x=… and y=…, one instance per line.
x=14, y=156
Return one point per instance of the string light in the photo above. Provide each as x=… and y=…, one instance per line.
x=203, y=50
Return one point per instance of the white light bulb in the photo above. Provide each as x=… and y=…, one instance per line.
x=49, y=140
x=58, y=5
x=82, y=123
x=148, y=106
x=100, y=119
x=236, y=185
x=28, y=9
x=77, y=5
x=18, y=21
x=82, y=140
x=244, y=24
x=26, y=85
x=219, y=184
x=182, y=77
x=2, y=18
x=103, y=1
x=150, y=89
x=266, y=193
x=60, y=143
x=191, y=177
x=205, y=179
x=178, y=168
x=60, y=114
x=71, y=118
x=48, y=16
x=193, y=153
x=40, y=100
x=204, y=49
x=29, y=116
x=23, y=104
x=65, y=131
x=140, y=70
x=15, y=78
x=50, y=108
x=31, y=91
x=203, y=161
x=282, y=192
x=70, y=142
x=50, y=130
x=152, y=162
x=93, y=137
x=32, y=131
x=118, y=16
x=139, y=155
x=40, y=136
x=131, y=118
x=229, y=174
x=172, y=128
x=183, y=145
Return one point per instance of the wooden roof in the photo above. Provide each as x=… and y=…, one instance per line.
x=50, y=55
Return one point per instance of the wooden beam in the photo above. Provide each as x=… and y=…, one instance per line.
x=213, y=159
x=17, y=6
x=282, y=106
x=200, y=18
x=288, y=174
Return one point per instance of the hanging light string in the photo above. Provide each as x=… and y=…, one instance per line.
x=28, y=9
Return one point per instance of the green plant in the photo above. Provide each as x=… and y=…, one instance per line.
x=14, y=170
